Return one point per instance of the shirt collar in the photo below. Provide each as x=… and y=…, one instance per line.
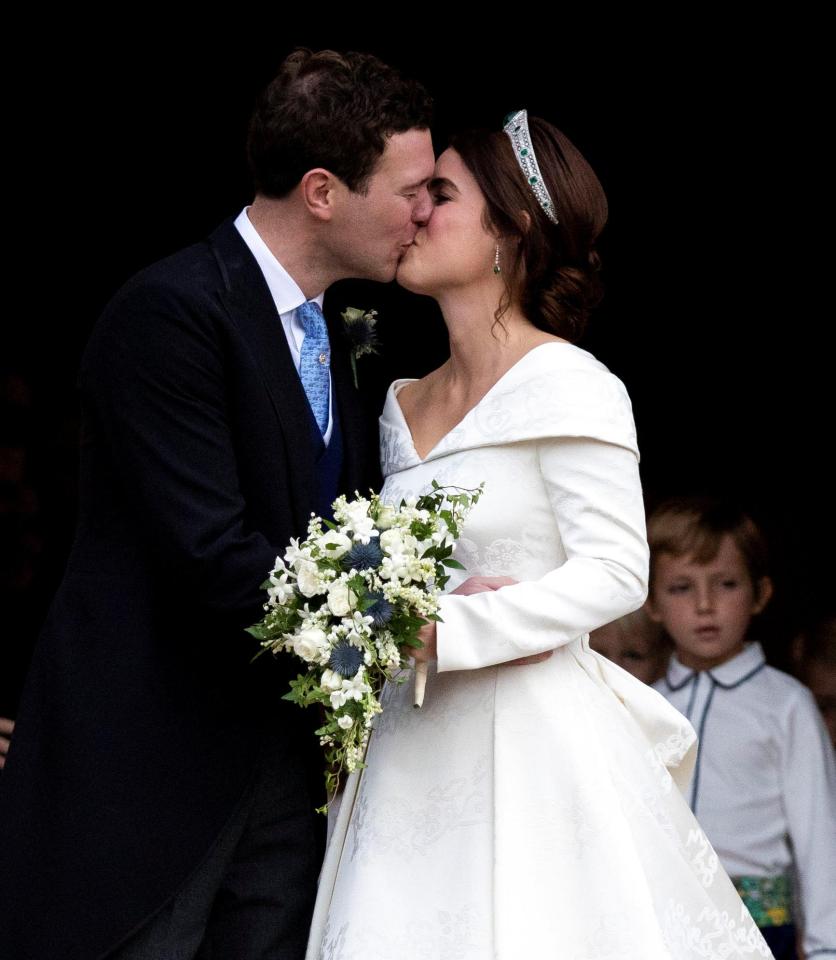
x=729, y=674
x=286, y=293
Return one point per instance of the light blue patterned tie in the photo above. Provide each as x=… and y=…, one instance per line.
x=315, y=360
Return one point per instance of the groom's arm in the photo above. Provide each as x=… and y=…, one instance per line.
x=154, y=383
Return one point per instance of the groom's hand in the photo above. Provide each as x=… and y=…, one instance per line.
x=468, y=588
x=6, y=729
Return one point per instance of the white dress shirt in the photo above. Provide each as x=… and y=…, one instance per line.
x=286, y=295
x=764, y=786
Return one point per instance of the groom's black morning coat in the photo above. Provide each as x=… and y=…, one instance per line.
x=142, y=715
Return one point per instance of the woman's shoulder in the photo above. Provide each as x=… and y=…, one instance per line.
x=561, y=390
x=562, y=355
x=565, y=376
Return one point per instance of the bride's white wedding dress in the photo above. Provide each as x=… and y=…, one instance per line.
x=530, y=811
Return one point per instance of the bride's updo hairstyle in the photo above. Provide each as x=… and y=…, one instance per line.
x=551, y=270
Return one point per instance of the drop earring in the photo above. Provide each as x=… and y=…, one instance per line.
x=496, y=266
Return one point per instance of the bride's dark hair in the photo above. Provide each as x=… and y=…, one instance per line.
x=553, y=274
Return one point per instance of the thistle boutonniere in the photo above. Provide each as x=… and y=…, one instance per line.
x=362, y=336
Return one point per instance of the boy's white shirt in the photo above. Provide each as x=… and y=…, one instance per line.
x=764, y=788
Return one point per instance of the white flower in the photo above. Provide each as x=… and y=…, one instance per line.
x=397, y=541
x=279, y=590
x=308, y=579
x=331, y=680
x=295, y=554
x=440, y=533
x=307, y=643
x=364, y=530
x=354, y=689
x=345, y=722
x=360, y=624
x=356, y=512
x=334, y=544
x=400, y=566
x=392, y=541
x=386, y=516
x=340, y=598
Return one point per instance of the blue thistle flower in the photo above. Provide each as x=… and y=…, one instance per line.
x=346, y=659
x=362, y=556
x=380, y=611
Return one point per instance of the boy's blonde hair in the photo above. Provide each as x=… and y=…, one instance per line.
x=694, y=526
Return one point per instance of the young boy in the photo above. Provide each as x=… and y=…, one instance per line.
x=764, y=786
x=636, y=643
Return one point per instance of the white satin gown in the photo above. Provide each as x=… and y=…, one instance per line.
x=530, y=811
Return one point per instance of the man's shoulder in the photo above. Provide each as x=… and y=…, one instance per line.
x=192, y=269
x=198, y=270
x=178, y=298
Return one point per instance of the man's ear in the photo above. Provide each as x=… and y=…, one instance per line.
x=763, y=594
x=318, y=189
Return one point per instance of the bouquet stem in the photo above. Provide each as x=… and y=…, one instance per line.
x=420, y=682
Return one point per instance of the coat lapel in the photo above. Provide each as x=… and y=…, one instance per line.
x=251, y=307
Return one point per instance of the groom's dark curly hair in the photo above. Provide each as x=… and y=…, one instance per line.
x=331, y=110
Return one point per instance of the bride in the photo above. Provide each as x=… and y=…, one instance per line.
x=536, y=810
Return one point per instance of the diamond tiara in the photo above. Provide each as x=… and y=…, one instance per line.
x=516, y=126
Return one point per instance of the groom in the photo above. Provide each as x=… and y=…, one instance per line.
x=158, y=796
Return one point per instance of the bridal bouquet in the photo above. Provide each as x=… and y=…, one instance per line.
x=349, y=601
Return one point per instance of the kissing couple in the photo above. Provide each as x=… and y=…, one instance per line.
x=158, y=797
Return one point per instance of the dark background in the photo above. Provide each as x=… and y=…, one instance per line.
x=708, y=139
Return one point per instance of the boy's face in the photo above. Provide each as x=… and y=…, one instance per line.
x=706, y=607
x=631, y=649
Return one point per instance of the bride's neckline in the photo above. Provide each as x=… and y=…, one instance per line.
x=398, y=385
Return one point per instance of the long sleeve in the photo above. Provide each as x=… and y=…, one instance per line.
x=808, y=773
x=595, y=493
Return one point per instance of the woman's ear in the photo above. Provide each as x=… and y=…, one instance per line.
x=526, y=219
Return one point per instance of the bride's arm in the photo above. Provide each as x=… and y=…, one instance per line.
x=595, y=493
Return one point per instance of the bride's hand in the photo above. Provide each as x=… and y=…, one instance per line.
x=427, y=634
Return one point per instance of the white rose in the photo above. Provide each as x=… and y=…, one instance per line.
x=386, y=516
x=345, y=723
x=307, y=643
x=334, y=544
x=391, y=541
x=331, y=680
x=308, y=579
x=340, y=598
